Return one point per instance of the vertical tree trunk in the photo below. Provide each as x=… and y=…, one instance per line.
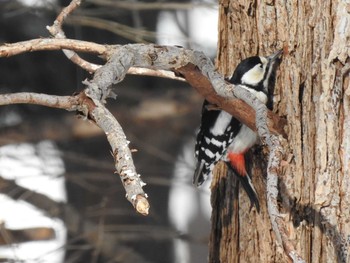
x=312, y=92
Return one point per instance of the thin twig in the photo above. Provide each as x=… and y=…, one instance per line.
x=101, y=230
x=41, y=44
x=57, y=32
x=106, y=121
x=69, y=103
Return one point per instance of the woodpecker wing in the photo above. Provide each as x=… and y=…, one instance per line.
x=216, y=133
x=220, y=132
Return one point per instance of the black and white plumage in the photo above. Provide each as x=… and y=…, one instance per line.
x=216, y=133
x=222, y=137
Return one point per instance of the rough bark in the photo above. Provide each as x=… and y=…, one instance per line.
x=312, y=93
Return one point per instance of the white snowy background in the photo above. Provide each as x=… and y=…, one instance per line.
x=189, y=208
x=37, y=167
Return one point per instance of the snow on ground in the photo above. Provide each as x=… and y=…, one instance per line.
x=38, y=167
x=189, y=209
x=38, y=3
x=196, y=28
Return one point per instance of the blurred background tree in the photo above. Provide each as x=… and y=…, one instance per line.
x=159, y=117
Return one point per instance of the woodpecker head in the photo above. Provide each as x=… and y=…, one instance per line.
x=258, y=73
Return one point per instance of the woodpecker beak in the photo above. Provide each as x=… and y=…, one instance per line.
x=275, y=56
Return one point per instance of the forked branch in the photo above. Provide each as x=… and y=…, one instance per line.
x=194, y=66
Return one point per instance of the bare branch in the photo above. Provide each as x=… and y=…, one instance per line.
x=154, y=73
x=69, y=103
x=123, y=159
x=236, y=107
x=57, y=31
x=11, y=236
x=275, y=157
x=205, y=80
x=122, y=58
x=119, y=60
x=277, y=222
x=106, y=121
x=274, y=164
x=41, y=44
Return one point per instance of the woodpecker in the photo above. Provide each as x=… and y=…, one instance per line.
x=222, y=137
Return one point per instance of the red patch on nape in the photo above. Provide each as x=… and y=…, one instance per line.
x=237, y=161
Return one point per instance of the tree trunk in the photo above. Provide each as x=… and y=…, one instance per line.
x=312, y=92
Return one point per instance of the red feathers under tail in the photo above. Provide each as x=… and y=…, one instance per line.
x=236, y=165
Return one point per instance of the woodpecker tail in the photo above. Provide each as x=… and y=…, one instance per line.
x=200, y=174
x=236, y=165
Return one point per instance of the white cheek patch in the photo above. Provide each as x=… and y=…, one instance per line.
x=253, y=76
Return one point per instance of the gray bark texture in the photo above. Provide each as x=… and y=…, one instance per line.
x=312, y=92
